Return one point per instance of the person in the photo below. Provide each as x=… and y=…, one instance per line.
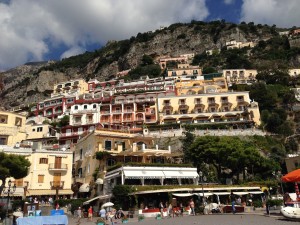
x=79, y=213
x=119, y=214
x=90, y=213
x=181, y=208
x=57, y=206
x=50, y=200
x=192, y=206
x=232, y=199
x=170, y=210
x=287, y=199
x=102, y=213
x=161, y=209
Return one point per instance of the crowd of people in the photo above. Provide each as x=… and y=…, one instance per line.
x=107, y=215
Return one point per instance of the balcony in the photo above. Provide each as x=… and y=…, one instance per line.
x=58, y=167
x=57, y=185
x=127, y=119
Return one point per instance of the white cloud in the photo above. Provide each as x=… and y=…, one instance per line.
x=75, y=50
x=30, y=29
x=228, y=2
x=281, y=13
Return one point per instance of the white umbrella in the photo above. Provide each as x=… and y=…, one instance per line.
x=18, y=214
x=107, y=204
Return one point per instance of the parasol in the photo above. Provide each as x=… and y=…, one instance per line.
x=107, y=204
x=293, y=176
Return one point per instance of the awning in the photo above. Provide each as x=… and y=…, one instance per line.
x=205, y=194
x=182, y=194
x=255, y=192
x=180, y=174
x=84, y=187
x=19, y=192
x=49, y=192
x=222, y=193
x=241, y=193
x=98, y=197
x=146, y=174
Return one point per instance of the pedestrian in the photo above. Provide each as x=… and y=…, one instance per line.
x=192, y=206
x=79, y=212
x=170, y=210
x=161, y=209
x=232, y=199
x=102, y=213
x=90, y=213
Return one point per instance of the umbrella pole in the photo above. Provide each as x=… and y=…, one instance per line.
x=297, y=191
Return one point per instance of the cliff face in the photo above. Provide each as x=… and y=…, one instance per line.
x=34, y=82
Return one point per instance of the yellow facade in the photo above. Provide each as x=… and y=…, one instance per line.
x=78, y=86
x=239, y=76
x=184, y=70
x=49, y=170
x=192, y=87
x=206, y=108
x=12, y=128
x=38, y=131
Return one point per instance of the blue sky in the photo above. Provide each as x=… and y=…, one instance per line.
x=34, y=30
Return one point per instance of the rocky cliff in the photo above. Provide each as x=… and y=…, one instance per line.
x=34, y=82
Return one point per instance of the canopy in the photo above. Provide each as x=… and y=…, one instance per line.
x=293, y=176
x=107, y=204
x=84, y=188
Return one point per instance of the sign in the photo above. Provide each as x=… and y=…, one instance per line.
x=57, y=212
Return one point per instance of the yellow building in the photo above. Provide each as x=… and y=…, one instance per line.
x=78, y=86
x=117, y=147
x=229, y=107
x=12, y=128
x=186, y=86
x=184, y=70
x=239, y=76
x=50, y=173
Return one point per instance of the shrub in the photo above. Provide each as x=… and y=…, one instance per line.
x=274, y=202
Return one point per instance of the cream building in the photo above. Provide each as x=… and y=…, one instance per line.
x=50, y=173
x=184, y=70
x=229, y=107
x=115, y=147
x=239, y=76
x=12, y=128
x=292, y=162
x=71, y=87
x=198, y=85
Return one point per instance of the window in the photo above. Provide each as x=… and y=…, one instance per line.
x=41, y=178
x=3, y=140
x=3, y=118
x=94, y=106
x=43, y=160
x=85, y=107
x=39, y=129
x=76, y=107
x=107, y=145
x=33, y=130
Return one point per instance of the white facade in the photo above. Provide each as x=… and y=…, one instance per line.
x=84, y=114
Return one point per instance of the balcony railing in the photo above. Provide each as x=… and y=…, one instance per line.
x=58, y=167
x=57, y=184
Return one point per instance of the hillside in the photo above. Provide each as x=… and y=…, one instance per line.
x=34, y=81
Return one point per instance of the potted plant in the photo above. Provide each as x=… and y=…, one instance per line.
x=141, y=217
x=124, y=219
x=100, y=221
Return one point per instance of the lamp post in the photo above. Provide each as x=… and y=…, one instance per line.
x=9, y=190
x=202, y=178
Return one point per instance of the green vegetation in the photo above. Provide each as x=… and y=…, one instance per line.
x=11, y=165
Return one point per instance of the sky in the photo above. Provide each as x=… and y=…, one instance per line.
x=39, y=30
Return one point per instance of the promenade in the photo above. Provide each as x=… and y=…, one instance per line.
x=257, y=218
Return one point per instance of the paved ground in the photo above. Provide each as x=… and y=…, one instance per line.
x=258, y=218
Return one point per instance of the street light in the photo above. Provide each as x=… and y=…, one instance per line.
x=9, y=190
x=202, y=178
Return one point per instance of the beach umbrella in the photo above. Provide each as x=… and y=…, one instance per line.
x=293, y=176
x=107, y=204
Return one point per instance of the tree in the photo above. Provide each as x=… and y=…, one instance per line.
x=15, y=166
x=227, y=153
